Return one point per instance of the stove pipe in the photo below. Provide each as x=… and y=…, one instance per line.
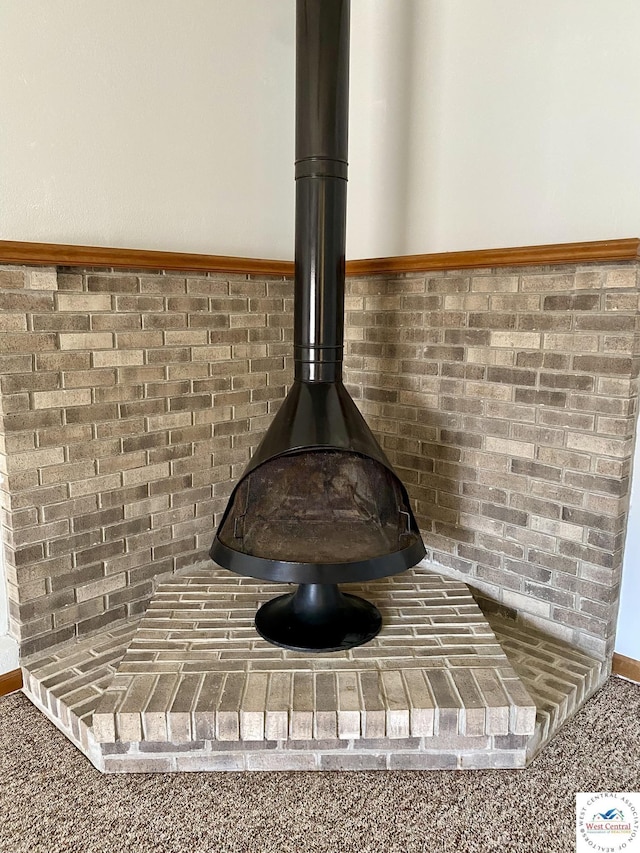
x=319, y=503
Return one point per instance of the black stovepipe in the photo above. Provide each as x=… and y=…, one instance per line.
x=318, y=413
x=322, y=115
x=318, y=616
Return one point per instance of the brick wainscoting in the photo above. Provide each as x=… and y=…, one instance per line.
x=130, y=404
x=132, y=401
x=507, y=402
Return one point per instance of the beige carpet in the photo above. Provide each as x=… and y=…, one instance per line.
x=52, y=800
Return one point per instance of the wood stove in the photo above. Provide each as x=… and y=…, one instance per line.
x=319, y=504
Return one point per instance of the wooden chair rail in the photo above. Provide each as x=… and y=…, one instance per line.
x=54, y=254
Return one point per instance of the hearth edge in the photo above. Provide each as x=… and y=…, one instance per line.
x=98, y=659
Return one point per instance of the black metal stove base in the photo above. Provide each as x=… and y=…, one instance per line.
x=318, y=618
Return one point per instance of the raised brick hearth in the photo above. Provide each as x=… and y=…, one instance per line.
x=191, y=686
x=131, y=402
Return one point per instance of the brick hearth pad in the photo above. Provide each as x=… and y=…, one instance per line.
x=191, y=686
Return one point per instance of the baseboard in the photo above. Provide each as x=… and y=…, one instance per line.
x=10, y=682
x=626, y=667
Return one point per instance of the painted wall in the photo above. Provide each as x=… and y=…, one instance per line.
x=8, y=646
x=169, y=124
x=163, y=124
x=494, y=123
x=628, y=634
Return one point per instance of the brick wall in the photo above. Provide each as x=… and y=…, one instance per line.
x=131, y=403
x=507, y=402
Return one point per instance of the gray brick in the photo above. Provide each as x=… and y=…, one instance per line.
x=349, y=705
x=120, y=763
x=522, y=711
x=350, y=761
x=493, y=760
x=422, y=712
x=497, y=713
x=104, y=721
x=423, y=761
x=398, y=721
x=279, y=701
x=211, y=762
x=128, y=715
x=228, y=716
x=281, y=761
x=179, y=714
x=252, y=708
x=374, y=715
x=326, y=716
x=473, y=716
x=302, y=707
x=154, y=714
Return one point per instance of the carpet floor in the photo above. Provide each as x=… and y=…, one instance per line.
x=53, y=801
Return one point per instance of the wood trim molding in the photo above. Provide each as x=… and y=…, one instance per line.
x=557, y=253
x=10, y=682
x=626, y=667
x=54, y=254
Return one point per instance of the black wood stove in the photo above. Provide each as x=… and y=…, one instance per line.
x=319, y=504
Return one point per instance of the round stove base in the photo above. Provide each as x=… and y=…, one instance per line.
x=318, y=618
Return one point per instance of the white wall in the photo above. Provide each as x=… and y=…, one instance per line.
x=628, y=633
x=169, y=124
x=8, y=654
x=161, y=124
x=8, y=646
x=493, y=123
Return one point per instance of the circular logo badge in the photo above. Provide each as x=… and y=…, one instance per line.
x=606, y=821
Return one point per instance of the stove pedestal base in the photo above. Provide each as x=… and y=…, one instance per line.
x=318, y=618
